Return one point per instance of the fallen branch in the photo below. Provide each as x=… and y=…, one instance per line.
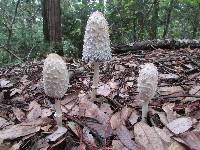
x=155, y=44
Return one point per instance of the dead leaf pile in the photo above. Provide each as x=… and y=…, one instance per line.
x=113, y=120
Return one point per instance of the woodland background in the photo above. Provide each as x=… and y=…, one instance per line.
x=27, y=32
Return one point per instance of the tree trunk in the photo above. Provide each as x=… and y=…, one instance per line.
x=52, y=25
x=154, y=20
x=168, y=18
x=134, y=30
x=141, y=23
x=141, y=19
x=195, y=24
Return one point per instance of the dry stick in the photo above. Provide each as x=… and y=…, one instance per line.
x=4, y=48
x=167, y=97
x=10, y=27
x=145, y=110
x=95, y=80
x=58, y=112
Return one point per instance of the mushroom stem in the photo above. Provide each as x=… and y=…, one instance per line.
x=145, y=110
x=58, y=112
x=95, y=80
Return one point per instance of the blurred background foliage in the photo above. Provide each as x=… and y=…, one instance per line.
x=22, y=29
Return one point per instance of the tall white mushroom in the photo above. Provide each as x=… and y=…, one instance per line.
x=56, y=80
x=96, y=46
x=147, y=86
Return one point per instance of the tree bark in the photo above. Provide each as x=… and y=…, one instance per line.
x=52, y=25
x=195, y=24
x=154, y=20
x=168, y=18
x=141, y=20
x=141, y=23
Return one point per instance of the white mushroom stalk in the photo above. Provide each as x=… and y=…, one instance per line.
x=56, y=81
x=147, y=86
x=96, y=46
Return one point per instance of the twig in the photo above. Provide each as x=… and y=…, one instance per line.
x=10, y=33
x=16, y=8
x=166, y=97
x=29, y=54
x=4, y=48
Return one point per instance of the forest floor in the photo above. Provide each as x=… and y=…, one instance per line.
x=113, y=121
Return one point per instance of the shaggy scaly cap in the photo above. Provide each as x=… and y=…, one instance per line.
x=96, y=40
x=147, y=81
x=55, y=76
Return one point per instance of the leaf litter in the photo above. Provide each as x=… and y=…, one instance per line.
x=114, y=120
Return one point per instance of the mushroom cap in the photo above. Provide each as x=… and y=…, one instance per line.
x=96, y=46
x=55, y=76
x=147, y=81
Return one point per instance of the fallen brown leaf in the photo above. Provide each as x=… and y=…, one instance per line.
x=88, y=137
x=3, y=122
x=191, y=139
x=15, y=91
x=105, y=107
x=180, y=125
x=104, y=90
x=150, y=138
x=41, y=144
x=117, y=145
x=176, y=146
x=116, y=121
x=5, y=83
x=46, y=113
x=89, y=109
x=168, y=108
x=57, y=134
x=125, y=113
x=20, y=115
x=22, y=129
x=35, y=111
x=126, y=138
x=133, y=117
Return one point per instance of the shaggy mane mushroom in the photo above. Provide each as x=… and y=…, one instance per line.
x=96, y=46
x=56, y=80
x=147, y=86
